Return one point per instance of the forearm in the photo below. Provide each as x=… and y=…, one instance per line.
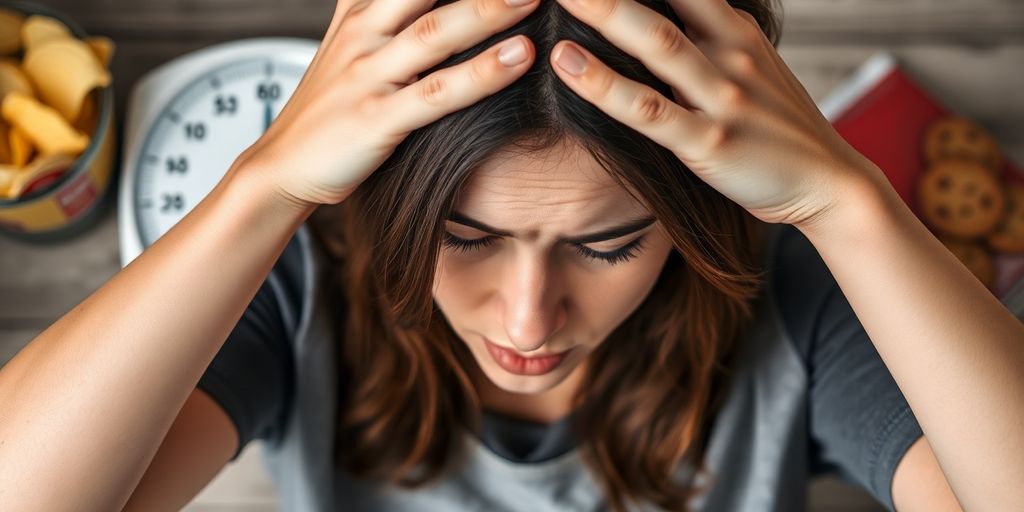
x=955, y=351
x=85, y=405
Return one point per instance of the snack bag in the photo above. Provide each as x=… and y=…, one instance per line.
x=947, y=168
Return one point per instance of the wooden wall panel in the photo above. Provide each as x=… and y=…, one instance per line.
x=979, y=21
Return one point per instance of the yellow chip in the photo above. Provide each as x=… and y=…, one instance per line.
x=21, y=146
x=43, y=125
x=103, y=47
x=64, y=71
x=13, y=79
x=88, y=118
x=10, y=31
x=38, y=29
x=40, y=167
x=7, y=175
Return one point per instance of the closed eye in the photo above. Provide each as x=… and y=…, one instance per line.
x=619, y=255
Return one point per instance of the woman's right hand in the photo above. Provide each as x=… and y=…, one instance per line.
x=362, y=95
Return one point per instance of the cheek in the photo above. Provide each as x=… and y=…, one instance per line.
x=611, y=301
x=455, y=283
x=629, y=293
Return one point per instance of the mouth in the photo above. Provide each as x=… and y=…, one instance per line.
x=512, y=362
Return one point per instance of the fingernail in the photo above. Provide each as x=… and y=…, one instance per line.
x=571, y=60
x=512, y=53
x=518, y=3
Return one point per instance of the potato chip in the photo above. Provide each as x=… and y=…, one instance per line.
x=103, y=47
x=64, y=71
x=40, y=167
x=21, y=146
x=13, y=79
x=7, y=174
x=38, y=29
x=43, y=125
x=88, y=118
x=10, y=31
x=49, y=101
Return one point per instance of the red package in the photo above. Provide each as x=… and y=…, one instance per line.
x=882, y=112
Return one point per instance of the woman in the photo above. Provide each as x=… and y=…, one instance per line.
x=589, y=227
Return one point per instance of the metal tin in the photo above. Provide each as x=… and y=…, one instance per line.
x=61, y=203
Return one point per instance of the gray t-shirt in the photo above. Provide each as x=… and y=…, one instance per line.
x=809, y=395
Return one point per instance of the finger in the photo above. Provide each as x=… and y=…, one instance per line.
x=456, y=87
x=632, y=103
x=442, y=32
x=662, y=47
x=711, y=19
x=775, y=60
x=389, y=17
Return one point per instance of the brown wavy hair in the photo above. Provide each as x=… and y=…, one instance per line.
x=403, y=387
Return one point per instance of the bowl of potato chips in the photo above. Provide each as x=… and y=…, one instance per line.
x=57, y=131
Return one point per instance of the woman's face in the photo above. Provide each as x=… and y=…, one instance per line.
x=530, y=290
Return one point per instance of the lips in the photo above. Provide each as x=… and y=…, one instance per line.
x=519, y=365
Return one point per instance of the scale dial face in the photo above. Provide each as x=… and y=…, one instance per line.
x=198, y=134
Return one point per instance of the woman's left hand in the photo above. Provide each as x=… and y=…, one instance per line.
x=740, y=120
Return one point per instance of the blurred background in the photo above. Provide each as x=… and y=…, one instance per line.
x=967, y=54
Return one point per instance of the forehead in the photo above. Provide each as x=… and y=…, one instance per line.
x=560, y=184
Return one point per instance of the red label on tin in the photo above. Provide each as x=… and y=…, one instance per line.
x=43, y=181
x=76, y=196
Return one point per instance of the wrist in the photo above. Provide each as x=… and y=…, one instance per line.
x=255, y=184
x=856, y=205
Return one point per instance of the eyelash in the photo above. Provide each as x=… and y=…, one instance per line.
x=619, y=255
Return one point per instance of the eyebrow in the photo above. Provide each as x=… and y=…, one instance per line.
x=589, y=238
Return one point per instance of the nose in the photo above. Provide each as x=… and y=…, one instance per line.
x=535, y=308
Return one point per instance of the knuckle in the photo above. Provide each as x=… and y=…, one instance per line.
x=480, y=71
x=651, y=107
x=359, y=65
x=427, y=28
x=733, y=96
x=344, y=11
x=668, y=38
x=368, y=107
x=433, y=90
x=484, y=10
x=716, y=137
x=359, y=6
x=749, y=31
x=603, y=86
x=603, y=10
x=742, y=63
x=747, y=16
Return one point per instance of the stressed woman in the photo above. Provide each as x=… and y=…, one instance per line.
x=558, y=255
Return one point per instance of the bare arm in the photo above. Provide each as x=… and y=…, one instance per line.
x=197, y=447
x=86, y=404
x=954, y=350
x=918, y=483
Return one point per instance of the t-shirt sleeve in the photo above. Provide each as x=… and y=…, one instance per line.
x=251, y=377
x=860, y=424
